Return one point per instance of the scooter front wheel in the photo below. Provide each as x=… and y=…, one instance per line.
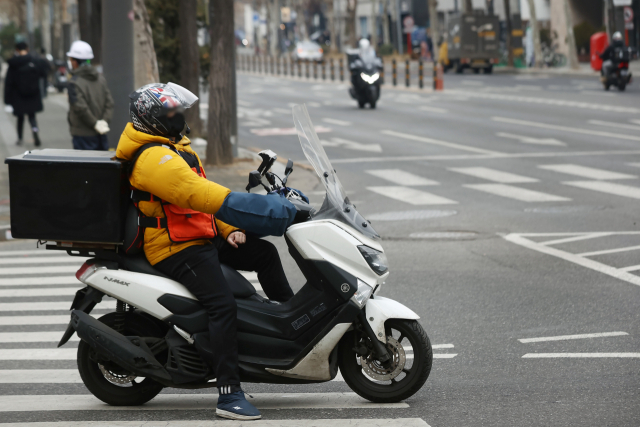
x=410, y=348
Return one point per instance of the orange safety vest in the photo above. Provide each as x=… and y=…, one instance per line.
x=182, y=224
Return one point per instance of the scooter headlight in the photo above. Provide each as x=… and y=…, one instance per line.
x=376, y=260
x=370, y=79
x=362, y=294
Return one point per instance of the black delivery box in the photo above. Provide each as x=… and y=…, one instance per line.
x=68, y=196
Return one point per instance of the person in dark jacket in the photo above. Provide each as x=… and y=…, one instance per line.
x=22, y=89
x=617, y=42
x=90, y=102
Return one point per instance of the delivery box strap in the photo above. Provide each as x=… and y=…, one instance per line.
x=152, y=222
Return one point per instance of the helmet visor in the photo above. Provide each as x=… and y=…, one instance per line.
x=185, y=96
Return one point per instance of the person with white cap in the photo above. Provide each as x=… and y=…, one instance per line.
x=90, y=102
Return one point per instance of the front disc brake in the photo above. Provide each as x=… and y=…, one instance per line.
x=374, y=369
x=118, y=379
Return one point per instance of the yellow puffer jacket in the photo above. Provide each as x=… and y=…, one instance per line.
x=170, y=179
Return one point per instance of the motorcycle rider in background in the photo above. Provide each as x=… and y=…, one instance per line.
x=608, y=55
x=189, y=243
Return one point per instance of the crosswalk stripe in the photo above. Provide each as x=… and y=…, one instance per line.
x=49, y=305
x=607, y=187
x=395, y=422
x=168, y=402
x=38, y=270
x=49, y=280
x=587, y=172
x=37, y=292
x=411, y=195
x=35, y=320
x=43, y=260
x=438, y=142
x=400, y=177
x=43, y=251
x=39, y=353
x=517, y=193
x=15, y=337
x=614, y=125
x=494, y=175
x=40, y=376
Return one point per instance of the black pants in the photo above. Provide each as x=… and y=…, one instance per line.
x=98, y=142
x=32, y=121
x=198, y=269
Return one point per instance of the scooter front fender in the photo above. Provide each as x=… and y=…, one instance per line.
x=380, y=309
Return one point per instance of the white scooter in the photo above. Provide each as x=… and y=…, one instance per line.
x=158, y=336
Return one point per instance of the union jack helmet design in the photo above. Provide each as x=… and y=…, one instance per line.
x=149, y=105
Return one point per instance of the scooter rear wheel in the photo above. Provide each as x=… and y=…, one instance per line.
x=110, y=383
x=369, y=379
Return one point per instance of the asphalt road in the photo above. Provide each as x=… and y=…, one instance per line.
x=508, y=208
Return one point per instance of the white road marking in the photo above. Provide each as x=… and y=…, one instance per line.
x=587, y=172
x=531, y=140
x=590, y=132
x=614, y=125
x=574, y=238
x=49, y=280
x=520, y=239
x=433, y=109
x=282, y=111
x=398, y=176
x=37, y=292
x=336, y=122
x=573, y=337
x=494, y=175
x=169, y=402
x=578, y=355
x=636, y=121
x=610, y=251
x=45, y=306
x=395, y=422
x=39, y=353
x=40, y=376
x=352, y=145
x=411, y=195
x=19, y=337
x=35, y=320
x=43, y=260
x=517, y=193
x=39, y=270
x=284, y=131
x=631, y=268
x=437, y=142
x=52, y=253
x=607, y=187
x=438, y=346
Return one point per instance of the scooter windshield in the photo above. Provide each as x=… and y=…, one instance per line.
x=336, y=204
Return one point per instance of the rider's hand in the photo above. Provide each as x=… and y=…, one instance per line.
x=236, y=238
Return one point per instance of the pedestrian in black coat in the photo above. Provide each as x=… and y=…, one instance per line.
x=22, y=88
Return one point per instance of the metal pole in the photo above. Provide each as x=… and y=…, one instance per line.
x=341, y=71
x=420, y=76
x=299, y=70
x=324, y=71
x=333, y=72
x=406, y=73
x=399, y=28
x=394, y=72
x=315, y=70
x=306, y=69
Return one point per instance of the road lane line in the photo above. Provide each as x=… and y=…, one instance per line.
x=188, y=401
x=437, y=346
x=38, y=270
x=38, y=292
x=587, y=172
x=411, y=195
x=49, y=280
x=438, y=142
x=400, y=177
x=566, y=128
x=336, y=122
x=575, y=238
x=578, y=355
x=576, y=259
x=531, y=140
x=494, y=175
x=610, y=251
x=39, y=353
x=607, y=187
x=19, y=337
x=517, y=193
x=614, y=125
x=631, y=268
x=45, y=306
x=395, y=422
x=573, y=337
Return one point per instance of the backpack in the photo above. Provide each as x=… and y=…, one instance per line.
x=28, y=79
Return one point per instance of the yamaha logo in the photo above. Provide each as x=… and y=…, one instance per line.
x=119, y=282
x=345, y=288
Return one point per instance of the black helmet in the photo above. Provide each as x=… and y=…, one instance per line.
x=150, y=105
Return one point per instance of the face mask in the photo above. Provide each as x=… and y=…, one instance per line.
x=175, y=125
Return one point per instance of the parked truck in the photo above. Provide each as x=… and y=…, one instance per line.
x=472, y=41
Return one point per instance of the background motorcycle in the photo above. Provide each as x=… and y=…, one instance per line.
x=365, y=78
x=617, y=73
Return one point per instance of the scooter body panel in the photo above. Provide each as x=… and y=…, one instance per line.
x=381, y=309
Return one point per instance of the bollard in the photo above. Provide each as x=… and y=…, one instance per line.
x=406, y=73
x=438, y=77
x=394, y=72
x=278, y=60
x=270, y=64
x=324, y=74
x=306, y=69
x=333, y=73
x=420, y=76
x=253, y=64
x=382, y=72
x=341, y=71
x=315, y=70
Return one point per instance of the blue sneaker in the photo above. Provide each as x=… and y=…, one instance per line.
x=236, y=407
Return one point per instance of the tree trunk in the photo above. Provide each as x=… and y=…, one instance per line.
x=374, y=23
x=56, y=32
x=83, y=21
x=468, y=6
x=190, y=60
x=146, y=63
x=571, y=39
x=535, y=31
x=435, y=30
x=507, y=14
x=333, y=48
x=222, y=88
x=386, y=37
x=352, y=5
x=273, y=27
x=300, y=21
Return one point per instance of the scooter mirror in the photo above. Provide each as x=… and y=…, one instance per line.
x=289, y=168
x=255, y=179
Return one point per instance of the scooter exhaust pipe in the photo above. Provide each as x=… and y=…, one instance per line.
x=130, y=353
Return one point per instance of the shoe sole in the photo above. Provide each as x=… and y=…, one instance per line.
x=230, y=415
